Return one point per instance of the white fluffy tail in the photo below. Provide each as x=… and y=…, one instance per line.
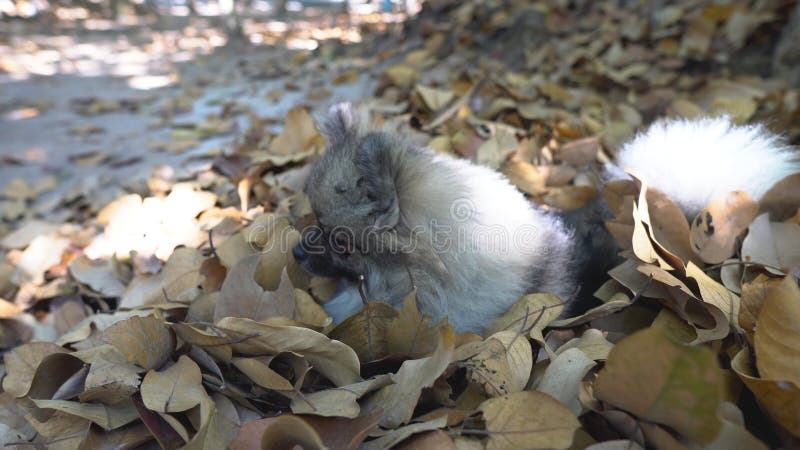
x=696, y=161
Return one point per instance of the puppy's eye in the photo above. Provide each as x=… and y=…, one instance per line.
x=360, y=182
x=371, y=197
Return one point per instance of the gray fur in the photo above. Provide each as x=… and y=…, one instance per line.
x=402, y=216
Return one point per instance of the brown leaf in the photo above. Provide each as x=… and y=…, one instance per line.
x=657, y=380
x=99, y=275
x=331, y=358
x=176, y=389
x=241, y=295
x=775, y=244
x=529, y=420
x=562, y=378
x=108, y=417
x=399, y=400
x=298, y=135
x=580, y=152
x=336, y=433
x=716, y=229
x=501, y=364
x=144, y=341
x=338, y=402
x=781, y=400
x=782, y=201
x=777, y=334
x=22, y=363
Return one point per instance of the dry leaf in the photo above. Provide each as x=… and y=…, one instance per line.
x=241, y=296
x=716, y=229
x=22, y=363
x=144, y=341
x=331, y=358
x=563, y=376
x=99, y=275
x=774, y=244
x=777, y=334
x=658, y=380
x=528, y=420
x=781, y=400
x=501, y=364
x=175, y=389
x=399, y=400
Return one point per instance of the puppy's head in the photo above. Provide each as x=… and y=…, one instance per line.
x=353, y=195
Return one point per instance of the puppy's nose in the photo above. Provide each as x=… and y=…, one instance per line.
x=299, y=253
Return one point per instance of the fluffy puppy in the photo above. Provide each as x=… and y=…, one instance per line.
x=403, y=216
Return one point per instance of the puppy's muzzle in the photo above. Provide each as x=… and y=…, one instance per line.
x=299, y=253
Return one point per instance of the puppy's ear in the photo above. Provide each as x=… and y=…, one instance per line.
x=344, y=122
x=375, y=160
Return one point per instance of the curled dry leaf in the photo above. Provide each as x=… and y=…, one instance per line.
x=218, y=346
x=774, y=244
x=242, y=296
x=299, y=133
x=501, y=364
x=579, y=152
x=562, y=378
x=411, y=333
x=258, y=370
x=437, y=439
x=175, y=389
x=331, y=358
x=336, y=432
x=716, y=228
x=435, y=99
x=753, y=295
x=111, y=378
x=98, y=275
x=209, y=435
x=22, y=363
x=501, y=143
x=366, y=331
x=780, y=400
x=108, y=417
x=657, y=380
x=714, y=293
x=592, y=343
x=528, y=420
x=398, y=400
x=144, y=341
x=531, y=314
x=734, y=435
x=782, y=200
x=400, y=75
x=777, y=334
x=394, y=437
x=340, y=401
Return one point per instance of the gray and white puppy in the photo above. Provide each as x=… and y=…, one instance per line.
x=471, y=243
x=404, y=216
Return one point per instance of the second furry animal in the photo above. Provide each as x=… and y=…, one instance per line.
x=403, y=216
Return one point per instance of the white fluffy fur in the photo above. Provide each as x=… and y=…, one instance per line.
x=696, y=161
x=502, y=242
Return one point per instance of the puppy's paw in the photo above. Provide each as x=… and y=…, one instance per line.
x=344, y=303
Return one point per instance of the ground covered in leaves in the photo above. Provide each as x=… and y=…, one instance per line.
x=168, y=311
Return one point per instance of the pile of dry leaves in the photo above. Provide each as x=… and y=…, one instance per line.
x=176, y=316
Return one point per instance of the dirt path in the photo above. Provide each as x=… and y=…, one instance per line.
x=94, y=128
